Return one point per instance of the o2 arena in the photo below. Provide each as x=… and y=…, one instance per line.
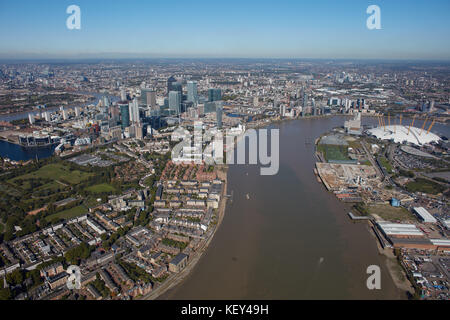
x=404, y=134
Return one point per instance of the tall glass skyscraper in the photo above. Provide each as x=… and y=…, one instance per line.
x=219, y=114
x=125, y=115
x=214, y=95
x=174, y=102
x=134, y=111
x=192, y=92
x=148, y=98
x=170, y=83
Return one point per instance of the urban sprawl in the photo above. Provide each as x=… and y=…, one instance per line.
x=114, y=201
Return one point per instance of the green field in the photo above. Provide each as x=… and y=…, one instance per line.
x=332, y=152
x=101, y=188
x=67, y=214
x=55, y=172
x=385, y=163
x=425, y=186
x=389, y=213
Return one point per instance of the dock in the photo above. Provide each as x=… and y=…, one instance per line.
x=353, y=217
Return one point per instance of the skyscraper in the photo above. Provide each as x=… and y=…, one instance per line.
x=123, y=94
x=170, y=83
x=214, y=95
x=192, y=92
x=148, y=98
x=174, y=102
x=125, y=115
x=105, y=101
x=134, y=111
x=219, y=114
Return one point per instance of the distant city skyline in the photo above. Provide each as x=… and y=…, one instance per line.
x=323, y=29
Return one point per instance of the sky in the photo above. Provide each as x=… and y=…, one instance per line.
x=323, y=29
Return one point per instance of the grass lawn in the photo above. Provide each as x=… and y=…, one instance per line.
x=67, y=214
x=56, y=172
x=425, y=186
x=389, y=213
x=90, y=202
x=101, y=188
x=385, y=163
x=331, y=152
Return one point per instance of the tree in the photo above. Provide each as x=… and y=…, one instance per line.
x=14, y=278
x=5, y=294
x=74, y=255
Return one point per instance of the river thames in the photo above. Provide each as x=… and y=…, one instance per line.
x=292, y=239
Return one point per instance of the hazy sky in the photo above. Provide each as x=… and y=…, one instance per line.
x=411, y=29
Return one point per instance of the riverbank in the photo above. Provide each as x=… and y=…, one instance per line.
x=396, y=271
x=176, y=279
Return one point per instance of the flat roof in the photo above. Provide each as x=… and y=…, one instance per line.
x=178, y=258
x=425, y=215
x=400, y=229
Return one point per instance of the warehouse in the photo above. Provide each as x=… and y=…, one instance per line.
x=424, y=215
x=398, y=230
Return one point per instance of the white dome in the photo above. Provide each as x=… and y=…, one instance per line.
x=399, y=134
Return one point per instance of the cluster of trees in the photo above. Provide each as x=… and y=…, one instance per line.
x=81, y=252
x=135, y=273
x=19, y=281
x=108, y=242
x=99, y=284
x=175, y=244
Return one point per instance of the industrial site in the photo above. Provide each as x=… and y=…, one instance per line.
x=396, y=177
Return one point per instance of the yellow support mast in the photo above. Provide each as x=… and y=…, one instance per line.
x=412, y=124
x=423, y=126
x=401, y=118
x=395, y=125
x=432, y=124
x=389, y=119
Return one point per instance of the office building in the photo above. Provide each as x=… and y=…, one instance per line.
x=214, y=95
x=148, y=98
x=219, y=114
x=134, y=111
x=192, y=92
x=170, y=83
x=123, y=94
x=174, y=102
x=124, y=115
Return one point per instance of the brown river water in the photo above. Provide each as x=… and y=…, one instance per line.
x=292, y=239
